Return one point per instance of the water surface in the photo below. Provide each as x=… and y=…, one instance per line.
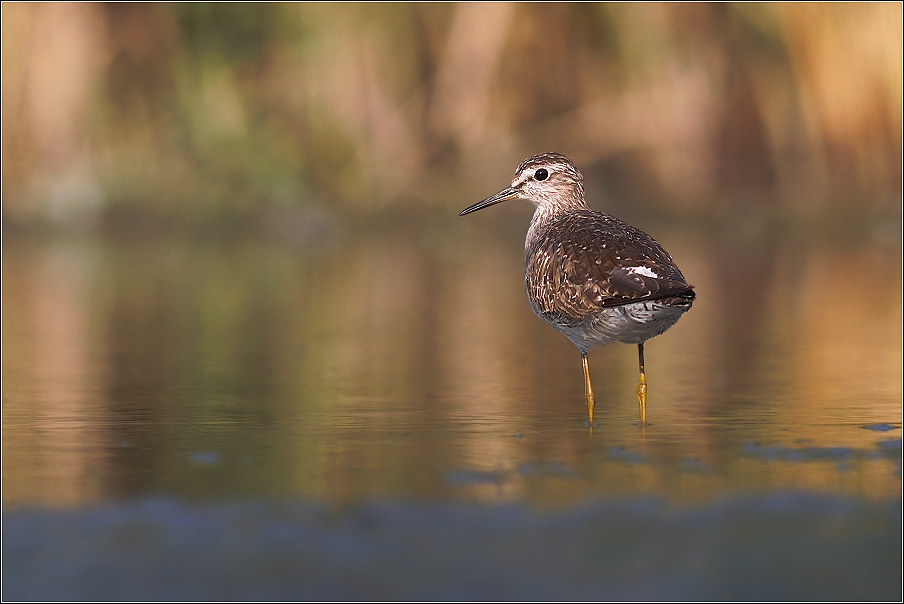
x=400, y=360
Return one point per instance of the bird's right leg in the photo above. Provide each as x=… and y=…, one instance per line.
x=588, y=389
x=642, y=388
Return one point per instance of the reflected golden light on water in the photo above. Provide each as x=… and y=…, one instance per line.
x=56, y=404
x=850, y=345
x=405, y=363
x=482, y=367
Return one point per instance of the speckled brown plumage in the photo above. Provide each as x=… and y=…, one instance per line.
x=583, y=261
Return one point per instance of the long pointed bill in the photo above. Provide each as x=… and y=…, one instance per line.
x=503, y=195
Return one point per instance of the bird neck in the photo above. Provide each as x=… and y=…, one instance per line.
x=546, y=214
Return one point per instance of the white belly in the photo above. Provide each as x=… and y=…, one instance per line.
x=629, y=324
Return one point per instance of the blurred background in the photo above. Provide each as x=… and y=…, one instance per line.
x=225, y=116
x=232, y=259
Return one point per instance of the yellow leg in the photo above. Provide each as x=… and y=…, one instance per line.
x=588, y=391
x=642, y=399
x=642, y=388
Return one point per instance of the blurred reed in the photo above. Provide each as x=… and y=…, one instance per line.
x=204, y=113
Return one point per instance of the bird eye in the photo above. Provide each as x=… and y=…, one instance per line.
x=541, y=174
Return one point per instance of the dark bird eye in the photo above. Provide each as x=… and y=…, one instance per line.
x=541, y=174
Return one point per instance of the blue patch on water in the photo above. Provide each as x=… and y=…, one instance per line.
x=557, y=467
x=204, y=458
x=692, y=464
x=880, y=427
x=471, y=477
x=553, y=468
x=838, y=454
x=785, y=546
x=631, y=457
x=890, y=448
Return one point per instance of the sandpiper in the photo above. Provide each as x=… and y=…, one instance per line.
x=596, y=279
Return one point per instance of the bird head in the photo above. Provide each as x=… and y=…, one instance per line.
x=548, y=180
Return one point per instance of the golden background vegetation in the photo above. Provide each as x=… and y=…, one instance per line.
x=222, y=112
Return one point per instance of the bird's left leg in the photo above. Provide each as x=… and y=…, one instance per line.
x=642, y=388
x=588, y=389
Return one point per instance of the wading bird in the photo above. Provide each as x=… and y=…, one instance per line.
x=596, y=279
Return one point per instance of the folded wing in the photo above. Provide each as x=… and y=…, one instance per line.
x=589, y=260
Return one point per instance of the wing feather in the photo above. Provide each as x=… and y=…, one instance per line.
x=587, y=260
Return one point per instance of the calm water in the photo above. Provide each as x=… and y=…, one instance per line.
x=400, y=360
